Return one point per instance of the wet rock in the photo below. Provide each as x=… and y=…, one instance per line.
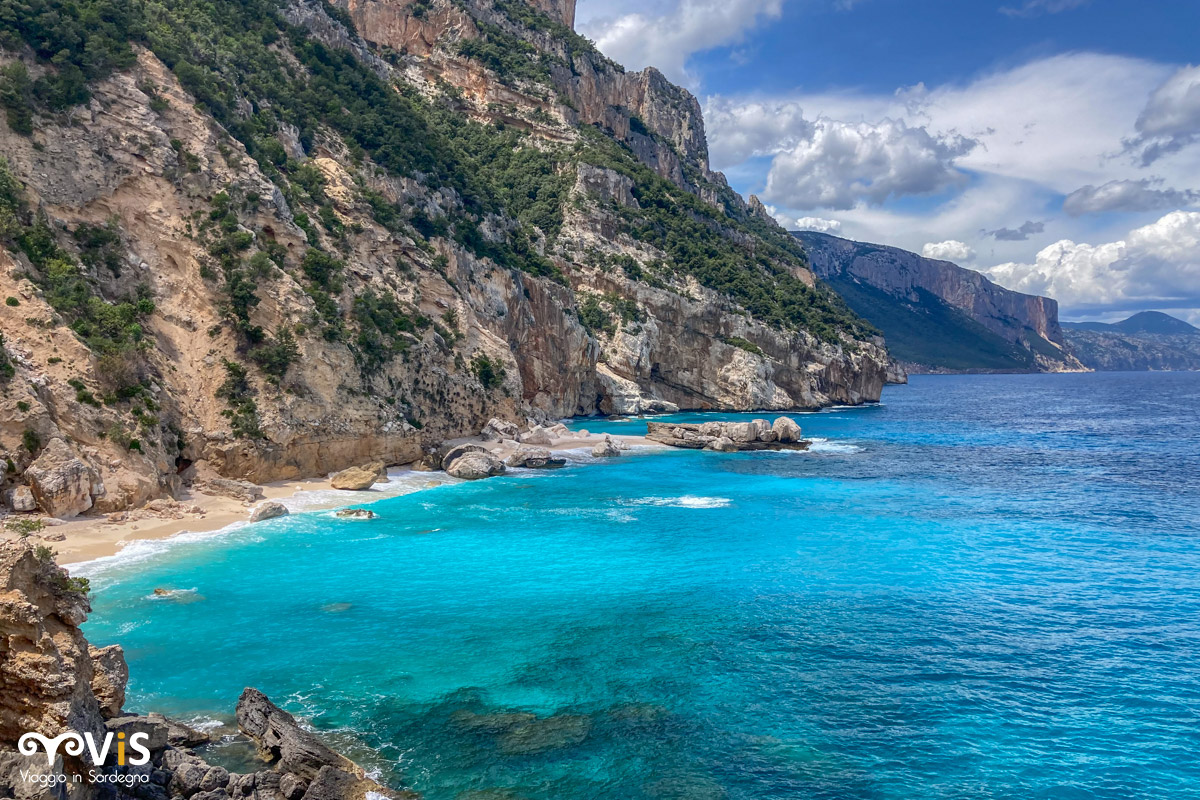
x=356, y=513
x=281, y=740
x=270, y=510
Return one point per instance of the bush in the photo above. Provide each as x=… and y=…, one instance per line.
x=241, y=410
x=31, y=441
x=24, y=528
x=12, y=302
x=488, y=372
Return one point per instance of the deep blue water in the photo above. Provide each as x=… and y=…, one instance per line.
x=986, y=587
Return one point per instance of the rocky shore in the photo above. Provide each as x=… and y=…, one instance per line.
x=53, y=681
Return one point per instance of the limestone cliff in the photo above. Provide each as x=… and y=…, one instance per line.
x=938, y=315
x=289, y=237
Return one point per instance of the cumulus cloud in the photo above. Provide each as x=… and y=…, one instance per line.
x=1155, y=264
x=949, y=250
x=816, y=224
x=1171, y=119
x=1034, y=8
x=1028, y=228
x=1127, y=195
x=740, y=130
x=667, y=39
x=839, y=164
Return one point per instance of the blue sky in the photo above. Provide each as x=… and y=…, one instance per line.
x=1052, y=144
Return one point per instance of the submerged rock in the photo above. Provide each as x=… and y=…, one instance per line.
x=355, y=513
x=269, y=510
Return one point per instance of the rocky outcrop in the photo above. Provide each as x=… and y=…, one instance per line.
x=759, y=434
x=270, y=510
x=1149, y=340
x=46, y=669
x=948, y=307
x=110, y=674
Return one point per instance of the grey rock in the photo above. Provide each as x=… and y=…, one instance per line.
x=155, y=731
x=216, y=778
x=474, y=466
x=270, y=510
x=356, y=513
x=281, y=740
x=786, y=429
x=606, y=449
x=534, y=458
x=20, y=498
x=452, y=452
x=63, y=484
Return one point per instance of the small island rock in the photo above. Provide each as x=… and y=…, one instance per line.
x=356, y=513
x=606, y=449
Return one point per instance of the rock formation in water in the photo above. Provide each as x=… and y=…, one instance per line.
x=280, y=238
x=1149, y=340
x=52, y=681
x=758, y=434
x=938, y=316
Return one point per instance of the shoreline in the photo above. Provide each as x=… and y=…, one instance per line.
x=91, y=538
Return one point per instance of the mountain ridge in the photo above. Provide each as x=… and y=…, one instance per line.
x=938, y=316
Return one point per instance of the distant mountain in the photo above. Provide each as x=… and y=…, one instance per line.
x=938, y=316
x=1150, y=340
x=1154, y=322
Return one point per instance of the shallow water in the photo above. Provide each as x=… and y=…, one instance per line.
x=988, y=587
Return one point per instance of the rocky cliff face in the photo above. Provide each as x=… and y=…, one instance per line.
x=361, y=231
x=1112, y=351
x=906, y=287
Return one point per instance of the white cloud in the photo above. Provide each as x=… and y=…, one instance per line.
x=1034, y=8
x=1127, y=195
x=816, y=224
x=839, y=164
x=1171, y=119
x=1155, y=264
x=1019, y=234
x=667, y=36
x=949, y=250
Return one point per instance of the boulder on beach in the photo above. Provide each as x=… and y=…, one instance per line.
x=539, y=434
x=269, y=510
x=534, y=458
x=356, y=479
x=448, y=453
x=474, y=466
x=606, y=449
x=356, y=513
x=498, y=429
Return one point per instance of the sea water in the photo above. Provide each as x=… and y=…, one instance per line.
x=985, y=587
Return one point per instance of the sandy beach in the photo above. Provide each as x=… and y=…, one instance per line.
x=90, y=537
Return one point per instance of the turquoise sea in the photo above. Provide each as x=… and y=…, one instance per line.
x=985, y=587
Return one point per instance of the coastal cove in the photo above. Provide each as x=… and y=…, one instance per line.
x=984, y=584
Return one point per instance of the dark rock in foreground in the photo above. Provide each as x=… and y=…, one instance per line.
x=729, y=437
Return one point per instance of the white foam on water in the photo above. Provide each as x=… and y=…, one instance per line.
x=832, y=448
x=685, y=501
